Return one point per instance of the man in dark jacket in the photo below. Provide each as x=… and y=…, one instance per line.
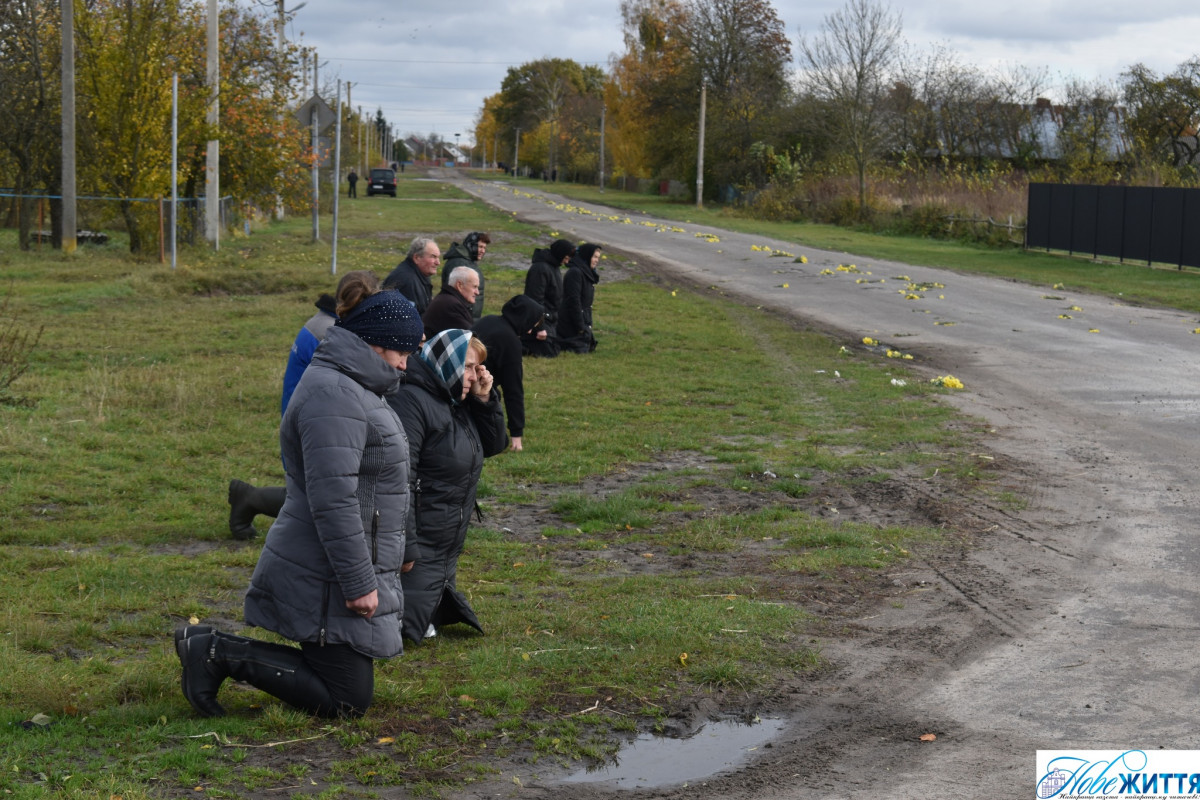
x=502, y=335
x=452, y=307
x=468, y=254
x=412, y=277
x=543, y=284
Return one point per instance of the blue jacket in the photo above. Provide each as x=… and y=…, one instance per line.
x=302, y=352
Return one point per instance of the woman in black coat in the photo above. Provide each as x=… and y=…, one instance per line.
x=453, y=421
x=544, y=283
x=579, y=291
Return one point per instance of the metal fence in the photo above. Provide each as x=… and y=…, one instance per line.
x=106, y=221
x=1131, y=223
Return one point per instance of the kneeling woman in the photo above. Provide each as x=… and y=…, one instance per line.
x=453, y=421
x=328, y=575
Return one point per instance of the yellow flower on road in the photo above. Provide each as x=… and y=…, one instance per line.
x=948, y=381
x=869, y=342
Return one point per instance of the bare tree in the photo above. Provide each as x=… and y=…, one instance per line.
x=1009, y=112
x=1088, y=134
x=848, y=69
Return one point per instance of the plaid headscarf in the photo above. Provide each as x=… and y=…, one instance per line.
x=446, y=355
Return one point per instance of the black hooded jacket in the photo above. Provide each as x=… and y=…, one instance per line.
x=544, y=284
x=579, y=292
x=447, y=444
x=502, y=335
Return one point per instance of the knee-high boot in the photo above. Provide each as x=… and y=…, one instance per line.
x=278, y=670
x=247, y=501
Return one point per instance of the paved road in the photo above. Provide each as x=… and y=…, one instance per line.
x=1090, y=595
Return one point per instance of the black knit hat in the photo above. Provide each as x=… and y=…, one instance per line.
x=561, y=249
x=386, y=319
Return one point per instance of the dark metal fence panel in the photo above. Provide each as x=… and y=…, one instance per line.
x=1139, y=216
x=1135, y=223
x=1061, y=216
x=1110, y=222
x=1083, y=220
x=1189, y=248
x=1037, y=216
x=1166, y=226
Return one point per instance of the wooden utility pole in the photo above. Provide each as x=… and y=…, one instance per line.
x=67, y=234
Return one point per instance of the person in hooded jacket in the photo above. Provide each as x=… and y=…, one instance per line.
x=468, y=254
x=579, y=292
x=328, y=576
x=453, y=421
x=501, y=333
x=544, y=284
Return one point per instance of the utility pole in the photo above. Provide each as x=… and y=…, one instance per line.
x=316, y=164
x=603, y=114
x=496, y=150
x=516, y=152
x=337, y=173
x=700, y=155
x=174, y=167
x=212, y=180
x=67, y=225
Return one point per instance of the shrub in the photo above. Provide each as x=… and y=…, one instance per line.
x=16, y=343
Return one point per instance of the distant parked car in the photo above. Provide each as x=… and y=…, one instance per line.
x=383, y=181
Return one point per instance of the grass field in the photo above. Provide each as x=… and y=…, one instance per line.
x=656, y=540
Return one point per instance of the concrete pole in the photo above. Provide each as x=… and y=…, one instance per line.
x=212, y=166
x=174, y=167
x=700, y=154
x=337, y=173
x=516, y=152
x=280, y=43
x=68, y=127
x=603, y=114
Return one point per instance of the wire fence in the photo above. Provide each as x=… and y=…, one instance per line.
x=28, y=221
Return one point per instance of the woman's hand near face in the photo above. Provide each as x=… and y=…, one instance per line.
x=483, y=383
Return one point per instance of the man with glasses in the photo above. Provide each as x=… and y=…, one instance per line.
x=412, y=276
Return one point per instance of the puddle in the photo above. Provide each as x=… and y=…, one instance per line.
x=653, y=761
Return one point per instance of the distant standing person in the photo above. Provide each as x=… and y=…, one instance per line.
x=412, y=276
x=579, y=292
x=469, y=253
x=352, y=179
x=501, y=333
x=328, y=576
x=544, y=284
x=453, y=422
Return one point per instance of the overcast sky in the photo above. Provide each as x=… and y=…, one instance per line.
x=429, y=64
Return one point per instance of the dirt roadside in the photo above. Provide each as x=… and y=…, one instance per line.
x=1067, y=624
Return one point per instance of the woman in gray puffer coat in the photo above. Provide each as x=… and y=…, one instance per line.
x=328, y=575
x=453, y=421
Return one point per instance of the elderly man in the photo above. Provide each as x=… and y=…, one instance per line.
x=412, y=276
x=469, y=253
x=452, y=307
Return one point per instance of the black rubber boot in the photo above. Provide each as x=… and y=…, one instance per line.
x=246, y=501
x=203, y=672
